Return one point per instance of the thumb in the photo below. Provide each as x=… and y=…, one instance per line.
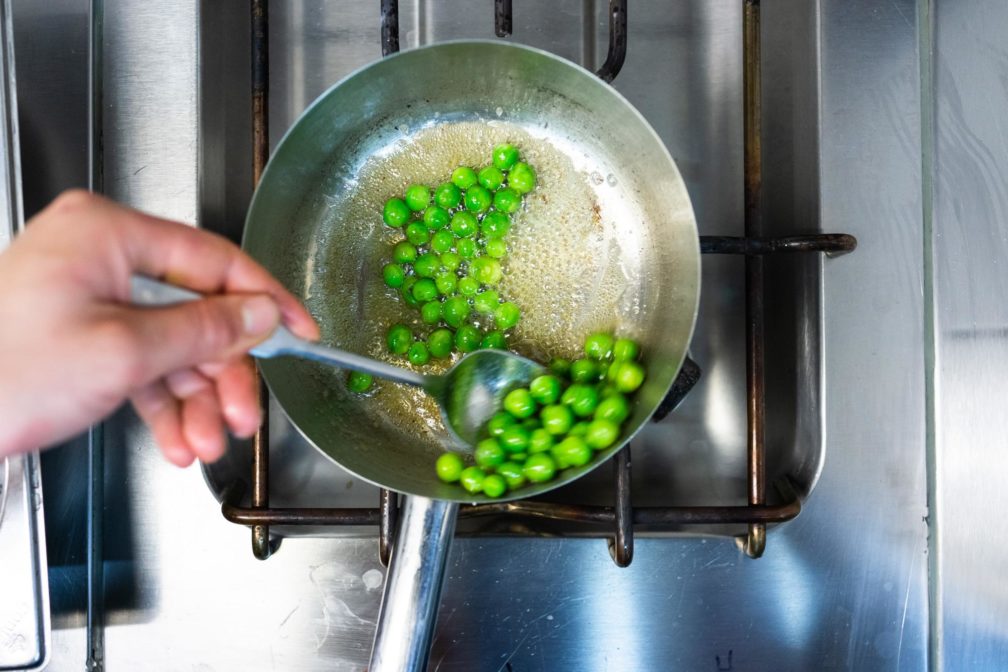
x=208, y=330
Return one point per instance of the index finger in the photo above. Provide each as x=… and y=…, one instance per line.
x=200, y=260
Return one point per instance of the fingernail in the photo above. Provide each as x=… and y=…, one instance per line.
x=259, y=315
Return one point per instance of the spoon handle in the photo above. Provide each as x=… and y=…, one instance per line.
x=146, y=291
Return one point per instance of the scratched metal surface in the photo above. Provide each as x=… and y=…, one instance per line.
x=25, y=642
x=843, y=587
x=25, y=638
x=970, y=240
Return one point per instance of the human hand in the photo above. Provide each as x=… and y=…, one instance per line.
x=72, y=349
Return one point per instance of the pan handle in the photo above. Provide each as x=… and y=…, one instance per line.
x=413, y=586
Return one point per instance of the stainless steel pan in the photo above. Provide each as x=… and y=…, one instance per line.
x=607, y=241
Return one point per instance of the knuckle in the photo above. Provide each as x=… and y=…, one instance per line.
x=127, y=364
x=216, y=327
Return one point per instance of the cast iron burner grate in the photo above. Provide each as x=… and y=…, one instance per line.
x=615, y=522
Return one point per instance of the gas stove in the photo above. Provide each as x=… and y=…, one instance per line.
x=534, y=585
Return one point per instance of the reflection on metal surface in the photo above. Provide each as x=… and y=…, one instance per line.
x=409, y=606
x=24, y=591
x=970, y=208
x=25, y=635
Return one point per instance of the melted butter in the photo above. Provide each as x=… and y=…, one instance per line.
x=563, y=265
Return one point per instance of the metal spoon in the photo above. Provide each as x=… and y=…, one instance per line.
x=469, y=393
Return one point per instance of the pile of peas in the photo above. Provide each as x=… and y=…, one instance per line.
x=449, y=260
x=557, y=422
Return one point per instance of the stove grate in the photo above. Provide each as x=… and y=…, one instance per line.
x=616, y=522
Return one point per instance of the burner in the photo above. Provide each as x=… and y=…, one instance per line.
x=619, y=520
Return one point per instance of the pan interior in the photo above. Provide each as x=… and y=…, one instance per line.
x=607, y=241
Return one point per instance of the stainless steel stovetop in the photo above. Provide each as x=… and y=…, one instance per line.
x=844, y=586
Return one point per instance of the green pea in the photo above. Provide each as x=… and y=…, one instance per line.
x=455, y=311
x=504, y=156
x=425, y=290
x=449, y=467
x=464, y=224
x=499, y=422
x=399, y=339
x=447, y=196
x=560, y=366
x=607, y=390
x=522, y=178
x=491, y=177
x=430, y=312
x=514, y=439
x=629, y=376
x=519, y=403
x=612, y=370
x=494, y=340
x=539, y=468
x=507, y=315
x=582, y=399
x=583, y=371
x=441, y=242
x=488, y=453
x=571, y=452
x=451, y=261
x=463, y=177
x=512, y=473
x=468, y=286
x=556, y=419
x=615, y=409
x=599, y=346
x=472, y=479
x=579, y=429
x=427, y=265
x=531, y=423
x=467, y=338
x=359, y=382
x=486, y=301
x=488, y=270
x=440, y=343
x=496, y=248
x=477, y=199
x=418, y=354
x=494, y=485
x=396, y=212
x=394, y=275
x=407, y=290
x=436, y=218
x=495, y=224
x=417, y=197
x=540, y=441
x=625, y=349
x=417, y=233
x=404, y=253
x=601, y=434
x=466, y=247
x=545, y=389
x=507, y=200
x=446, y=282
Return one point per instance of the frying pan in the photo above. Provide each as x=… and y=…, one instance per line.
x=607, y=241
